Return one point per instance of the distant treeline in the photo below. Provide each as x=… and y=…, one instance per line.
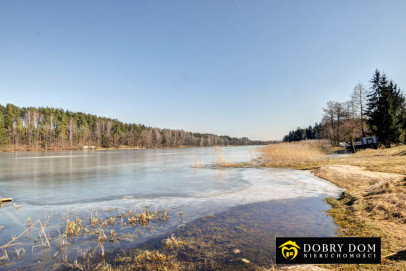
x=379, y=111
x=45, y=128
x=303, y=134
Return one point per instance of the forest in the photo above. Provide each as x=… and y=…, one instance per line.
x=311, y=132
x=45, y=128
x=379, y=110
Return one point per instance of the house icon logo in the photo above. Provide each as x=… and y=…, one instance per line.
x=289, y=250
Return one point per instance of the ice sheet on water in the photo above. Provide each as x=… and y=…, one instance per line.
x=135, y=179
x=261, y=185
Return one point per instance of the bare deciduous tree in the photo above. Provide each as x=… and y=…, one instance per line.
x=359, y=98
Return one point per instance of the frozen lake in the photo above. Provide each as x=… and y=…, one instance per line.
x=56, y=184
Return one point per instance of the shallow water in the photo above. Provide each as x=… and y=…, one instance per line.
x=252, y=229
x=79, y=182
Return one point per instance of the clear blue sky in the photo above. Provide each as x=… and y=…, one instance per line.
x=242, y=68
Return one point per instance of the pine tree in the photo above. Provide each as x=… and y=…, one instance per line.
x=384, y=109
x=404, y=119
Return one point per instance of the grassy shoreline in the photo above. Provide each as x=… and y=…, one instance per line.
x=371, y=205
x=374, y=202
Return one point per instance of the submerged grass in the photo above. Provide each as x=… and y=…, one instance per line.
x=238, y=239
x=96, y=231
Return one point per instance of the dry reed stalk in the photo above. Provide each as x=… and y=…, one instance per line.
x=9, y=244
x=45, y=235
x=18, y=251
x=5, y=257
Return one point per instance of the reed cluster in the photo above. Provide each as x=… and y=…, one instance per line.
x=295, y=153
x=221, y=161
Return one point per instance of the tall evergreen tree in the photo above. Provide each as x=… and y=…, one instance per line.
x=384, y=107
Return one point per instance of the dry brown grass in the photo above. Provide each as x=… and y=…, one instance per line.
x=391, y=160
x=295, y=153
x=373, y=205
x=313, y=154
x=376, y=195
